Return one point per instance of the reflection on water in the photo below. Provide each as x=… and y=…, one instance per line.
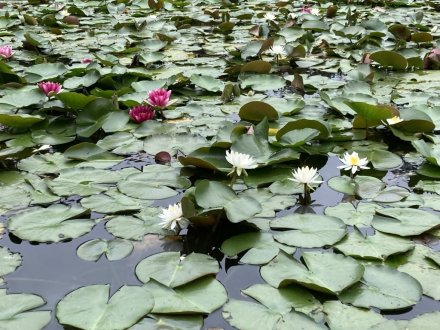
x=53, y=270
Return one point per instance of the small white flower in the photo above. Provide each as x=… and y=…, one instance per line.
x=277, y=50
x=306, y=175
x=314, y=11
x=44, y=147
x=353, y=162
x=151, y=18
x=269, y=16
x=172, y=217
x=250, y=130
x=240, y=162
x=394, y=120
x=292, y=15
x=64, y=12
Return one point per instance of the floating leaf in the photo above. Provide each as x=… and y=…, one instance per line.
x=207, y=82
x=114, y=250
x=308, y=230
x=8, y=261
x=360, y=216
x=261, y=247
x=379, y=246
x=156, y=182
x=384, y=288
x=418, y=264
x=15, y=311
x=257, y=110
x=284, y=300
x=136, y=227
x=324, y=272
x=404, y=221
x=388, y=59
x=53, y=224
x=171, y=322
x=91, y=307
x=201, y=296
x=169, y=269
x=340, y=316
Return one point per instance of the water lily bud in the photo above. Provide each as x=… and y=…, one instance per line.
x=162, y=157
x=71, y=19
x=6, y=52
x=331, y=11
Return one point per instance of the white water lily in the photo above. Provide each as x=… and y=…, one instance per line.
x=277, y=50
x=269, y=16
x=240, y=162
x=306, y=176
x=151, y=18
x=353, y=162
x=172, y=217
x=314, y=11
x=394, y=120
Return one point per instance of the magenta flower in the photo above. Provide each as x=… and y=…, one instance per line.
x=6, y=51
x=86, y=60
x=49, y=88
x=141, y=113
x=306, y=10
x=159, y=98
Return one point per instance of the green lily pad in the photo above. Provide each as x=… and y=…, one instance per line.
x=53, y=224
x=136, y=227
x=257, y=110
x=419, y=265
x=261, y=247
x=390, y=59
x=380, y=246
x=384, y=288
x=90, y=307
x=15, y=311
x=207, y=82
x=169, y=269
x=201, y=296
x=404, y=221
x=261, y=82
x=213, y=194
x=112, y=202
x=284, y=300
x=19, y=120
x=8, y=261
x=308, y=230
x=360, y=216
x=324, y=272
x=246, y=315
x=156, y=182
x=114, y=250
x=171, y=322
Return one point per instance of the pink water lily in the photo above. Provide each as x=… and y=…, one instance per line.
x=6, y=52
x=50, y=88
x=86, y=60
x=159, y=97
x=309, y=10
x=141, y=113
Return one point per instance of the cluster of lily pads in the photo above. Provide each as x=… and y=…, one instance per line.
x=300, y=148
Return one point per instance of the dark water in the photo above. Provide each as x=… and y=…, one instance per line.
x=53, y=270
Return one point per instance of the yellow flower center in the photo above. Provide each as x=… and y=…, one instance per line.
x=354, y=160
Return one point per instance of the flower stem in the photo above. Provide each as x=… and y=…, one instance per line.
x=233, y=179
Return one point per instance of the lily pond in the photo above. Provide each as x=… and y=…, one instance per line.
x=207, y=164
